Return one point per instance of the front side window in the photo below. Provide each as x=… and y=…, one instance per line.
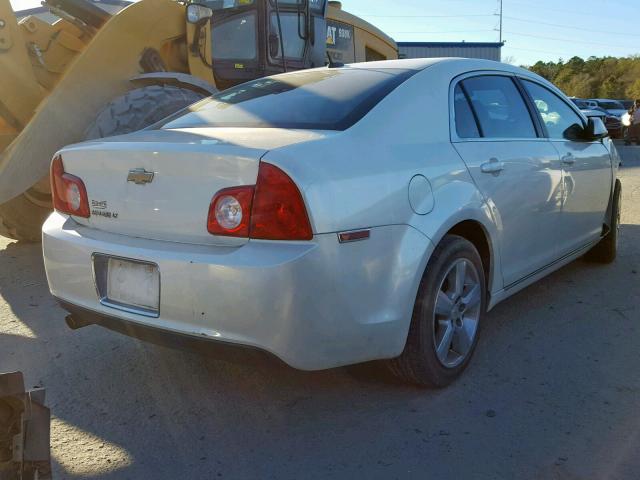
x=499, y=107
x=559, y=118
x=235, y=38
x=323, y=99
x=293, y=44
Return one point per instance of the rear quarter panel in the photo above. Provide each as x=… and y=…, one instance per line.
x=360, y=178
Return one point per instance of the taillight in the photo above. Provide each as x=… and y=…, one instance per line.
x=278, y=209
x=230, y=212
x=272, y=210
x=68, y=191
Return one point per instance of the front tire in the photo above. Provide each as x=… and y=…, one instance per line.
x=606, y=250
x=447, y=316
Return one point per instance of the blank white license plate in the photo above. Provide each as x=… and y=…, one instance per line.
x=133, y=284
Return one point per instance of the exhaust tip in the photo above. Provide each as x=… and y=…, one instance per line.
x=73, y=323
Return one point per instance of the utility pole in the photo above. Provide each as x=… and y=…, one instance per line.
x=500, y=21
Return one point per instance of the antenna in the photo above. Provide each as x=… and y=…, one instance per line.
x=332, y=62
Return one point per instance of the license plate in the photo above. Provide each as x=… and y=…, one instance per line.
x=133, y=284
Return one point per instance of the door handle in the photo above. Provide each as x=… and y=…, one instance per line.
x=493, y=166
x=568, y=159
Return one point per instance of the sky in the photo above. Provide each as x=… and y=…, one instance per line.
x=533, y=30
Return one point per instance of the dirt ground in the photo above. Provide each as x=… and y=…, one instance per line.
x=553, y=391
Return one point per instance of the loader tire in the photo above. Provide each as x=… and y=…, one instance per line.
x=140, y=108
x=22, y=217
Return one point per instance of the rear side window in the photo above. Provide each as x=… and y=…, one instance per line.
x=499, y=107
x=322, y=99
x=466, y=126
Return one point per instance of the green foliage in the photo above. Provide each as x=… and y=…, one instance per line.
x=606, y=77
x=633, y=91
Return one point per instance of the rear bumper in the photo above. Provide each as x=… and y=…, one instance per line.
x=314, y=305
x=81, y=317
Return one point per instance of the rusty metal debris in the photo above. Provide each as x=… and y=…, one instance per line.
x=24, y=431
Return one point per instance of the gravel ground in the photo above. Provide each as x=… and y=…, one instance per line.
x=553, y=391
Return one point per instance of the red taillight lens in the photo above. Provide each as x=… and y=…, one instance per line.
x=230, y=212
x=69, y=192
x=278, y=210
x=272, y=210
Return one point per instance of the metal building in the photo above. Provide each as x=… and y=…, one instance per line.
x=486, y=50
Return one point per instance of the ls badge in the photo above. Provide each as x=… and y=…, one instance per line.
x=140, y=176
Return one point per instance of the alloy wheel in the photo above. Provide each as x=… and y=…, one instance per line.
x=457, y=313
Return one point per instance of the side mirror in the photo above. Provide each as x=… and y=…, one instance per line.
x=198, y=14
x=274, y=45
x=596, y=130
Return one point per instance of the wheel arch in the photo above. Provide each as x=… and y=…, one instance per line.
x=474, y=232
x=478, y=228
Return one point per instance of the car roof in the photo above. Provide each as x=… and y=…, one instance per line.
x=422, y=63
x=458, y=64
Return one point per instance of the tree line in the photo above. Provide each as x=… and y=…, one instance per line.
x=607, y=77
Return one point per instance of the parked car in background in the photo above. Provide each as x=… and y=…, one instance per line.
x=583, y=103
x=627, y=103
x=331, y=217
x=612, y=122
x=614, y=107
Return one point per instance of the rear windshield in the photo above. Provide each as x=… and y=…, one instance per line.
x=322, y=99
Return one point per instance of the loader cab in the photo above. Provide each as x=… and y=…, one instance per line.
x=249, y=36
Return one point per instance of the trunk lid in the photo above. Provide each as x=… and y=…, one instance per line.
x=177, y=173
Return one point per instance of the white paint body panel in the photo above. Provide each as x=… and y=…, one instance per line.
x=318, y=304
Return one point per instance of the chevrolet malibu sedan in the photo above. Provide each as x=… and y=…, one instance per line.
x=335, y=215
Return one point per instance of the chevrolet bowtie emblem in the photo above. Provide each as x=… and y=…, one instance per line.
x=140, y=176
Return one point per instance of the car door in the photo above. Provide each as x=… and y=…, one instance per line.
x=586, y=169
x=517, y=171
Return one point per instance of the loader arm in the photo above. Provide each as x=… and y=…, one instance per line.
x=17, y=76
x=99, y=74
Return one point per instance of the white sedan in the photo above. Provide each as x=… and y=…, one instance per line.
x=335, y=215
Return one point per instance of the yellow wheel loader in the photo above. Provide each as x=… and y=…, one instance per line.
x=93, y=75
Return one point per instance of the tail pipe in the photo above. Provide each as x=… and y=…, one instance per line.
x=74, y=322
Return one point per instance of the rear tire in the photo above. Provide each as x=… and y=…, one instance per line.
x=429, y=357
x=22, y=217
x=606, y=250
